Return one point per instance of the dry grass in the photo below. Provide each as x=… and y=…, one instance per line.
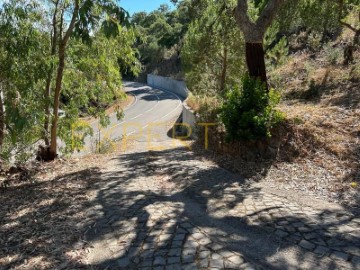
x=317, y=149
x=43, y=221
x=326, y=120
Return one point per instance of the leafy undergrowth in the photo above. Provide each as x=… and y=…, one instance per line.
x=41, y=214
x=316, y=150
x=122, y=104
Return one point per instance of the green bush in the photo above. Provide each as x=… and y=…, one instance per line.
x=249, y=111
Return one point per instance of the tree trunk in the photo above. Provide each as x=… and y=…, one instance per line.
x=224, y=71
x=59, y=78
x=47, y=92
x=254, y=33
x=47, y=109
x=255, y=60
x=2, y=120
x=349, y=54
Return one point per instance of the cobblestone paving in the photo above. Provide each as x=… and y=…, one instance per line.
x=170, y=210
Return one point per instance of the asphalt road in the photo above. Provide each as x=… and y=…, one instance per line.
x=153, y=109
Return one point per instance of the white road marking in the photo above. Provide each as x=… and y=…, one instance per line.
x=137, y=116
x=151, y=109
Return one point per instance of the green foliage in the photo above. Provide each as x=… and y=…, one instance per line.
x=92, y=81
x=106, y=146
x=73, y=133
x=100, y=48
x=249, y=111
x=158, y=31
x=22, y=73
x=277, y=49
x=332, y=54
x=213, y=54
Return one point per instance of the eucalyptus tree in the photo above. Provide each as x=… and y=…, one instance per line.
x=22, y=68
x=75, y=18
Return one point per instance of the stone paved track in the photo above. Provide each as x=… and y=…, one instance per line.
x=170, y=210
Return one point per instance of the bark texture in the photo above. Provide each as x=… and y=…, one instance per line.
x=52, y=154
x=254, y=34
x=255, y=60
x=2, y=119
x=47, y=92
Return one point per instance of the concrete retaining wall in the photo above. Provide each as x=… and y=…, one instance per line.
x=188, y=118
x=177, y=87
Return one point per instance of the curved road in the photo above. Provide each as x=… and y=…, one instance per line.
x=152, y=109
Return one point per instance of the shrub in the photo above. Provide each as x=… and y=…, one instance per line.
x=249, y=111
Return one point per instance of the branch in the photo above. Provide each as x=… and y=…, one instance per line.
x=242, y=16
x=269, y=13
x=349, y=26
x=72, y=22
x=341, y=8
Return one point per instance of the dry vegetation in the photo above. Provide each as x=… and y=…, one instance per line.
x=317, y=149
x=44, y=216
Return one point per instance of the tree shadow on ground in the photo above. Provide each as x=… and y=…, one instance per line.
x=40, y=222
x=168, y=208
x=204, y=198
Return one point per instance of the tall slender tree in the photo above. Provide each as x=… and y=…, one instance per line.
x=84, y=16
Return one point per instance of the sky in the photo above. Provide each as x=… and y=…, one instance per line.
x=133, y=6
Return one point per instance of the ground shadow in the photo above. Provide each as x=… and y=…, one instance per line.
x=148, y=210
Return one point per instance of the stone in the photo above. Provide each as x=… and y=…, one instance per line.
x=304, y=229
x=189, y=258
x=306, y=244
x=204, y=241
x=281, y=233
x=353, y=250
x=215, y=247
x=173, y=267
x=247, y=266
x=191, y=266
x=159, y=261
x=173, y=260
x=298, y=224
x=309, y=236
x=147, y=263
x=124, y=262
x=198, y=236
x=179, y=237
x=230, y=265
x=237, y=260
x=175, y=252
x=176, y=244
x=356, y=261
x=321, y=250
x=217, y=263
x=204, y=263
x=165, y=237
x=339, y=255
x=204, y=254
